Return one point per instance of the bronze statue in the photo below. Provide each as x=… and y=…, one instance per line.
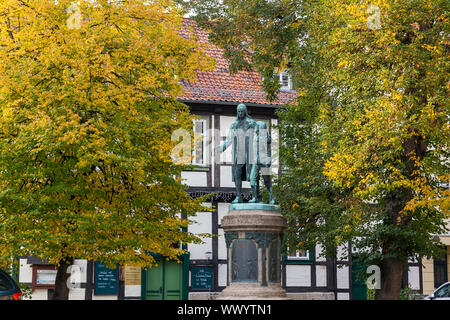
x=262, y=152
x=251, y=154
x=241, y=135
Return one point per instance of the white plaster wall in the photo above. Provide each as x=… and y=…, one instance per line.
x=222, y=275
x=275, y=147
x=211, y=151
x=413, y=278
x=226, y=179
x=222, y=247
x=226, y=156
x=39, y=294
x=77, y=294
x=203, y=224
x=225, y=124
x=132, y=291
x=343, y=296
x=298, y=275
x=222, y=210
x=194, y=178
x=321, y=276
x=25, y=271
x=342, y=277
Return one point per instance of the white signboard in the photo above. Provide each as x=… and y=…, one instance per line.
x=45, y=277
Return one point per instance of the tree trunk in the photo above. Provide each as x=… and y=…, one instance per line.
x=393, y=261
x=391, y=279
x=61, y=289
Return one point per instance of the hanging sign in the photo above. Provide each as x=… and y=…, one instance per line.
x=106, y=280
x=202, y=278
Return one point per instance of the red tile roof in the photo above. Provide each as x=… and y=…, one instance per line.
x=220, y=84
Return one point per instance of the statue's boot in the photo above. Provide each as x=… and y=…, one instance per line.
x=254, y=195
x=237, y=200
x=271, y=200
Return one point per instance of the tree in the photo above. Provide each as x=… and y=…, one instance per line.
x=366, y=147
x=87, y=102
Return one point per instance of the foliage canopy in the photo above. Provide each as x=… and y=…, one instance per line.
x=87, y=103
x=366, y=147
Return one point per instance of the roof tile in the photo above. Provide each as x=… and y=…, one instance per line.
x=220, y=84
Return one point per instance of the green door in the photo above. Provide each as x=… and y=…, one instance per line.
x=173, y=277
x=154, y=282
x=165, y=281
x=359, y=287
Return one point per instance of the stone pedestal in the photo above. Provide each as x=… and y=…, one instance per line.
x=253, y=235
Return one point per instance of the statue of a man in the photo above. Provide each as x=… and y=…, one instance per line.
x=263, y=159
x=241, y=136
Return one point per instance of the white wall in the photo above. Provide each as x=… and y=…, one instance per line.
x=343, y=277
x=194, y=178
x=202, y=224
x=225, y=124
x=298, y=275
x=343, y=296
x=413, y=278
x=222, y=274
x=321, y=276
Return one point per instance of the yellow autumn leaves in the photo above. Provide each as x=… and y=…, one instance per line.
x=390, y=84
x=85, y=129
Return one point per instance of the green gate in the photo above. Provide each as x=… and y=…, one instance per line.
x=166, y=281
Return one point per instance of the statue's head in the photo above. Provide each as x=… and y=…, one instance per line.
x=241, y=111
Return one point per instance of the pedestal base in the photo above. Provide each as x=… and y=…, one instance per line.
x=253, y=235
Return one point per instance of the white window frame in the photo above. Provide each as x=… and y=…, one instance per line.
x=298, y=256
x=290, y=85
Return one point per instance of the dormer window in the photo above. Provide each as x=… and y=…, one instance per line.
x=285, y=81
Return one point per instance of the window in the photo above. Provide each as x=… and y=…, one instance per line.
x=285, y=81
x=443, y=292
x=199, y=151
x=299, y=255
x=440, y=270
x=5, y=283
